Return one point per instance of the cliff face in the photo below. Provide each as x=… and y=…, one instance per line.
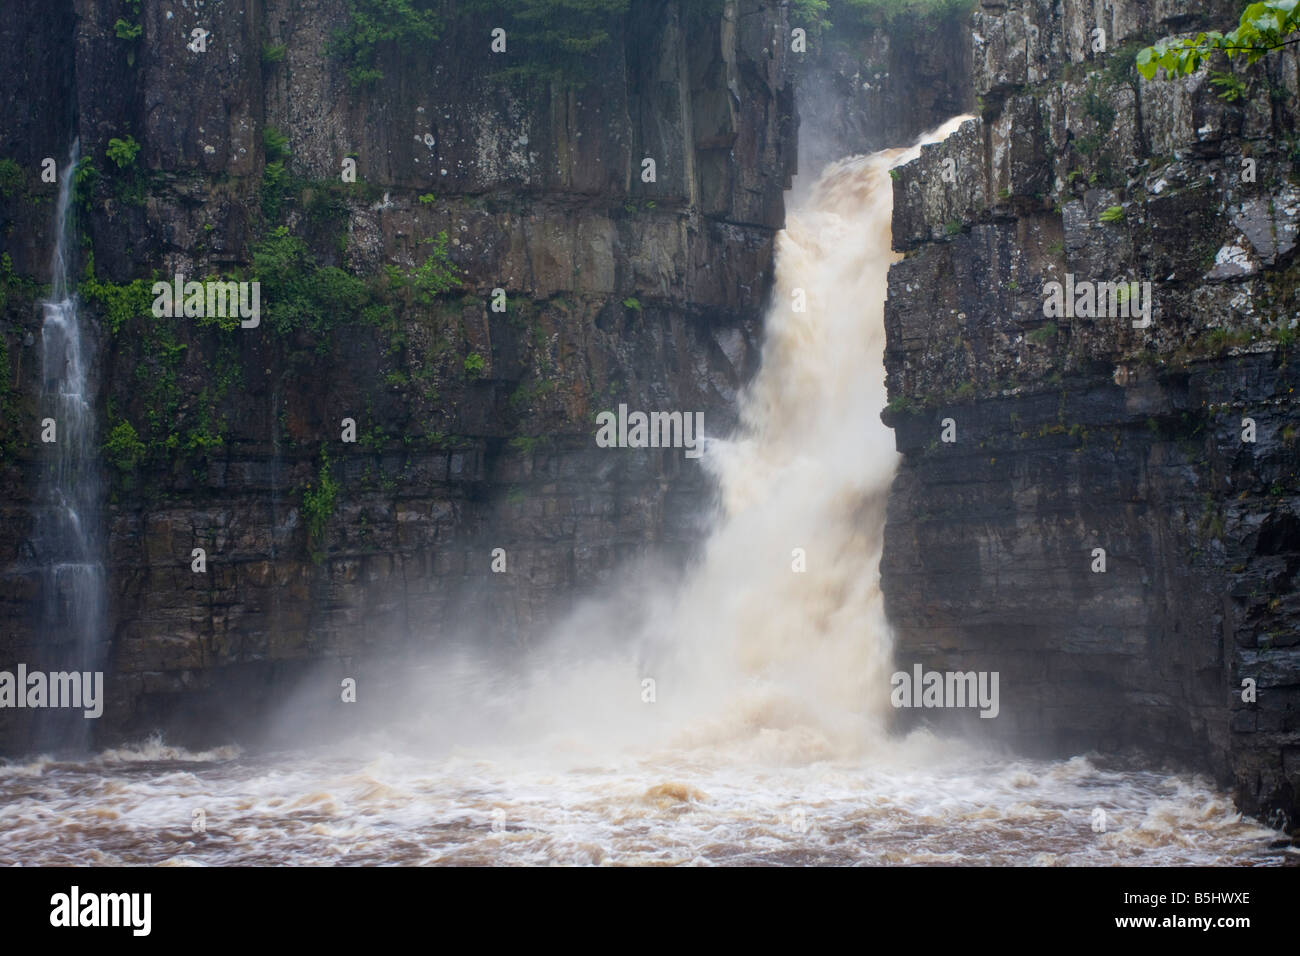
x=1081, y=433
x=474, y=427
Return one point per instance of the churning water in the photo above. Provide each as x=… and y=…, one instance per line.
x=763, y=737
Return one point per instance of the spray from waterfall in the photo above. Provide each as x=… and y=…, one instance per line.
x=68, y=540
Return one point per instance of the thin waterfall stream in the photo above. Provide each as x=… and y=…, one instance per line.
x=69, y=536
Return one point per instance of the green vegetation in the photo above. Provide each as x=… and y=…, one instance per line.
x=437, y=275
x=296, y=293
x=13, y=286
x=126, y=30
x=551, y=40
x=879, y=14
x=319, y=499
x=527, y=443
x=427, y=198
x=129, y=30
x=810, y=14
x=902, y=404
x=119, y=302
x=276, y=179
x=274, y=54
x=1112, y=214
x=129, y=185
x=275, y=143
x=378, y=25
x=1042, y=336
x=123, y=448
x=1230, y=88
x=11, y=177
x=1097, y=107
x=1263, y=28
x=122, y=151
x=85, y=177
x=474, y=365
x=632, y=303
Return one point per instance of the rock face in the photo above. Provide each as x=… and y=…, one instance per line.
x=864, y=87
x=475, y=428
x=1169, y=445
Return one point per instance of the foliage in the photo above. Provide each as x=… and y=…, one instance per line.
x=551, y=40
x=319, y=499
x=1043, y=335
x=298, y=294
x=126, y=30
x=276, y=144
x=274, y=54
x=375, y=25
x=123, y=448
x=122, y=151
x=1230, y=88
x=11, y=177
x=883, y=13
x=633, y=304
x=437, y=275
x=474, y=364
x=1263, y=28
x=119, y=302
x=84, y=179
x=809, y=14
x=426, y=282
x=1112, y=214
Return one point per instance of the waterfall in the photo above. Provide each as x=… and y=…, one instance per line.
x=68, y=538
x=774, y=643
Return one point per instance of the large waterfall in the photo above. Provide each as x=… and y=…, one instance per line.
x=738, y=715
x=69, y=538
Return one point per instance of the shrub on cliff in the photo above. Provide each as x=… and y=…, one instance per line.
x=376, y=24
x=550, y=40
